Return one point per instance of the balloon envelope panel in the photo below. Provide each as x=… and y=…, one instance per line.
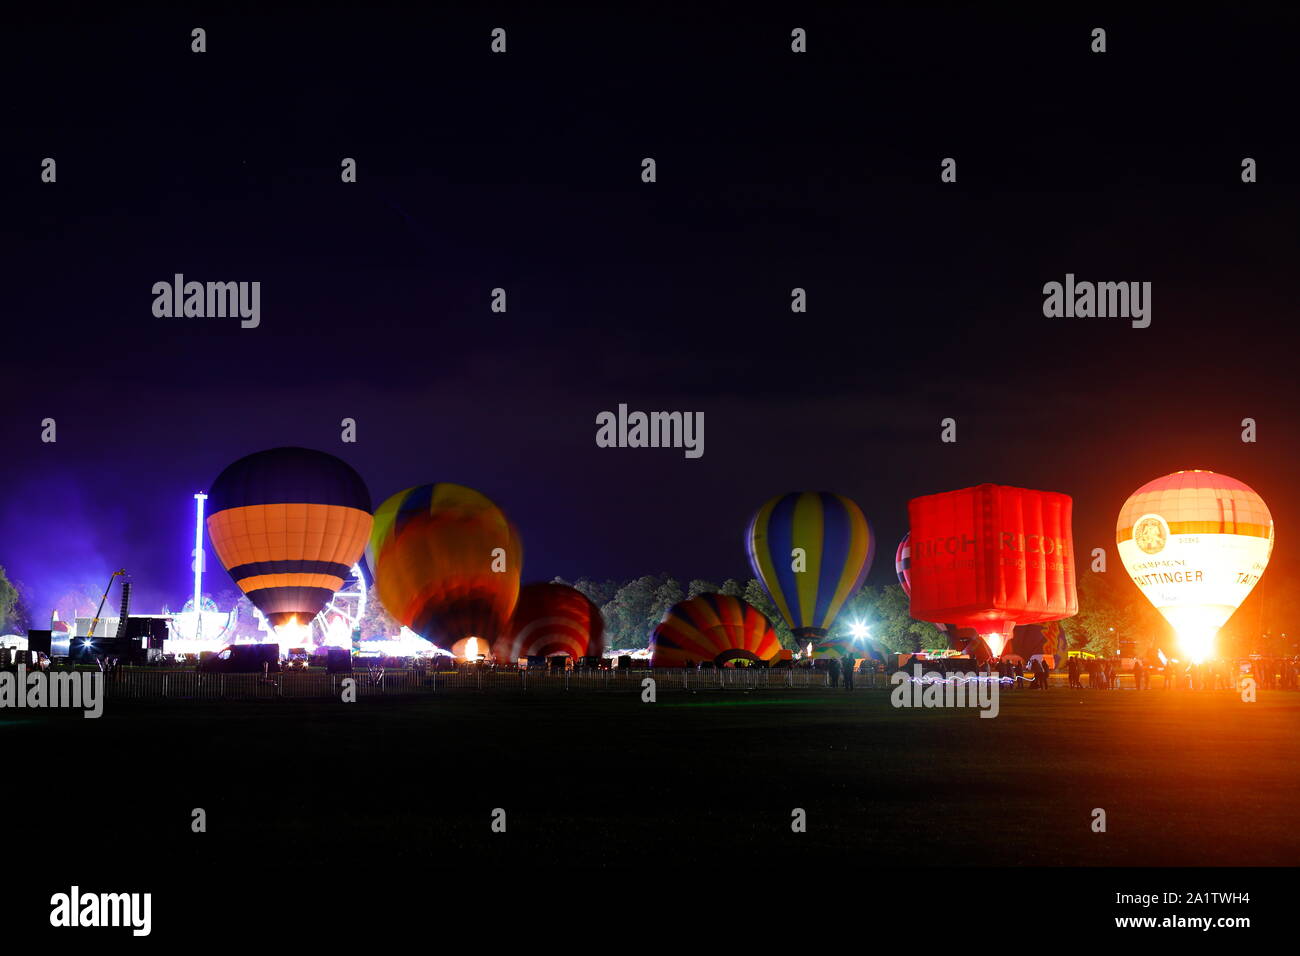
x=552, y=619
x=992, y=556
x=711, y=627
x=839, y=648
x=289, y=524
x=834, y=535
x=434, y=554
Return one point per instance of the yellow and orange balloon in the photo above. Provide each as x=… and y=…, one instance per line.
x=446, y=563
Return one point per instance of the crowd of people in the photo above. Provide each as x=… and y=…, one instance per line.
x=1271, y=673
x=1102, y=673
x=1094, y=673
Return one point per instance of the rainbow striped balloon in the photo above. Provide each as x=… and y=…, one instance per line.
x=712, y=627
x=838, y=647
x=811, y=550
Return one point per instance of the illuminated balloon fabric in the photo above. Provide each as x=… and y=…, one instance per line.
x=289, y=524
x=1195, y=543
x=432, y=552
x=991, y=557
x=903, y=563
x=840, y=648
x=552, y=619
x=1031, y=639
x=903, y=568
x=710, y=627
x=838, y=544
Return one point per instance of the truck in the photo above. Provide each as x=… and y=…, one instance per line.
x=242, y=659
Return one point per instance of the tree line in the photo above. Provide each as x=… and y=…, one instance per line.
x=1110, y=611
x=634, y=608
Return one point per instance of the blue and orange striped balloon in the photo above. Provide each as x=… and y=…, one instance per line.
x=837, y=546
x=289, y=524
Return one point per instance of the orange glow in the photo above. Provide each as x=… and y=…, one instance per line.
x=292, y=634
x=1197, y=643
x=471, y=648
x=996, y=642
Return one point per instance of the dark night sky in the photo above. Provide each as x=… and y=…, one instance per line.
x=522, y=171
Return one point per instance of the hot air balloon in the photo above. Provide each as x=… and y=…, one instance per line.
x=1195, y=544
x=712, y=627
x=811, y=550
x=903, y=568
x=1036, y=639
x=551, y=619
x=841, y=648
x=446, y=563
x=992, y=557
x=289, y=524
x=903, y=563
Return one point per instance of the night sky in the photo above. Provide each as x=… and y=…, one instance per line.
x=522, y=170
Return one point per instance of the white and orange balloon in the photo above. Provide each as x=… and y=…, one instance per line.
x=1195, y=543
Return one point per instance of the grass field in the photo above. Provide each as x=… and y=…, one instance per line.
x=1185, y=778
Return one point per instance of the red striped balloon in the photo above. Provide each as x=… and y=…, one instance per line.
x=903, y=568
x=903, y=563
x=551, y=619
x=712, y=627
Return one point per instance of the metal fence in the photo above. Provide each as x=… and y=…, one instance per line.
x=162, y=684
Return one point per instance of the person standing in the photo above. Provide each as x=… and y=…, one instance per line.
x=833, y=668
x=848, y=673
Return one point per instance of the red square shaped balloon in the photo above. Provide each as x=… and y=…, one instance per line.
x=991, y=557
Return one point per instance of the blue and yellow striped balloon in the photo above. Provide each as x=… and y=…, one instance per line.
x=838, y=546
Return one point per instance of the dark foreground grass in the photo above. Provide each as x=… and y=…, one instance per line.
x=1184, y=779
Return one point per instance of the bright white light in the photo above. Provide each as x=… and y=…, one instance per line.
x=198, y=564
x=291, y=634
x=859, y=631
x=1197, y=642
x=996, y=641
